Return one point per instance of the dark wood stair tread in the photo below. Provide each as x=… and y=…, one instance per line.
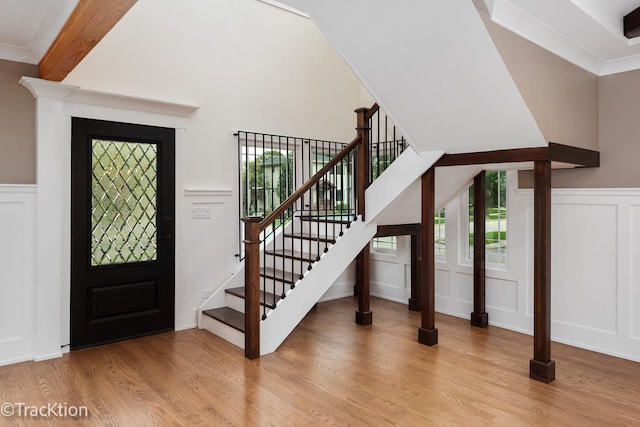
x=328, y=219
x=287, y=253
x=271, y=298
x=313, y=237
x=228, y=316
x=279, y=275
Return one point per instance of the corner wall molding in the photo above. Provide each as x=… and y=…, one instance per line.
x=18, y=188
x=75, y=94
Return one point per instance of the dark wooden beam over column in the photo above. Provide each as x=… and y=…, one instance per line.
x=428, y=334
x=363, y=285
x=541, y=367
x=90, y=21
x=479, y=316
x=553, y=152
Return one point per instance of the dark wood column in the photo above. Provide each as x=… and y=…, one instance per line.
x=362, y=289
x=362, y=160
x=415, y=303
x=428, y=334
x=363, y=315
x=479, y=316
x=541, y=367
x=252, y=287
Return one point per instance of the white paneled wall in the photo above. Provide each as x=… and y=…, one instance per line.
x=205, y=245
x=634, y=295
x=595, y=270
x=17, y=272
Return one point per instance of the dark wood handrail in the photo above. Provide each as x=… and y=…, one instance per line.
x=307, y=185
x=374, y=109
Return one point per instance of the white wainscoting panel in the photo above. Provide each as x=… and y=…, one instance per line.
x=443, y=288
x=584, y=241
x=17, y=267
x=501, y=295
x=634, y=302
x=208, y=233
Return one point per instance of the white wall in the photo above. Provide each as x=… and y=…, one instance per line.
x=17, y=267
x=595, y=270
x=246, y=65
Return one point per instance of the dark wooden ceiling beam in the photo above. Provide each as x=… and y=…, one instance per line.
x=497, y=156
x=631, y=24
x=90, y=21
x=577, y=156
x=554, y=152
x=399, y=230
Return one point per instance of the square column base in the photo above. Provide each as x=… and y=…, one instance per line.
x=542, y=371
x=364, y=318
x=414, y=304
x=428, y=336
x=480, y=320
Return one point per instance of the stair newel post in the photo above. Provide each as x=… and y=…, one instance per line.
x=362, y=160
x=363, y=314
x=252, y=287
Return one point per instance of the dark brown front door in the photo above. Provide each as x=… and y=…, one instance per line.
x=122, y=240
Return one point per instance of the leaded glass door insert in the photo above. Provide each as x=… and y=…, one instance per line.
x=124, y=202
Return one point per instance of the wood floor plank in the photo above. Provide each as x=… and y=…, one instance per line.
x=330, y=371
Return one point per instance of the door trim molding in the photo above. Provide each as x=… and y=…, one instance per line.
x=56, y=103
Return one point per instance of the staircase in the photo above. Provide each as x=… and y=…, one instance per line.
x=288, y=265
x=298, y=251
x=316, y=251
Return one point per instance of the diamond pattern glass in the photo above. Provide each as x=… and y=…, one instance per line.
x=124, y=190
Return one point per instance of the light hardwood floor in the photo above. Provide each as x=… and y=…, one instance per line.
x=331, y=371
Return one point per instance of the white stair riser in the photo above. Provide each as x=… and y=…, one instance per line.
x=226, y=332
x=306, y=245
x=237, y=304
x=286, y=264
x=322, y=229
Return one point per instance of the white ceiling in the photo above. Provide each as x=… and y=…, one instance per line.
x=28, y=27
x=587, y=33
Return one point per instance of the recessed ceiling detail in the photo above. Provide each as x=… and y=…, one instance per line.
x=28, y=27
x=587, y=33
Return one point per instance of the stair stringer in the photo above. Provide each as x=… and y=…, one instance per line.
x=400, y=174
x=291, y=310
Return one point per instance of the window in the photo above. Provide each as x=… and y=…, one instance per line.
x=440, y=241
x=387, y=244
x=495, y=219
x=390, y=244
